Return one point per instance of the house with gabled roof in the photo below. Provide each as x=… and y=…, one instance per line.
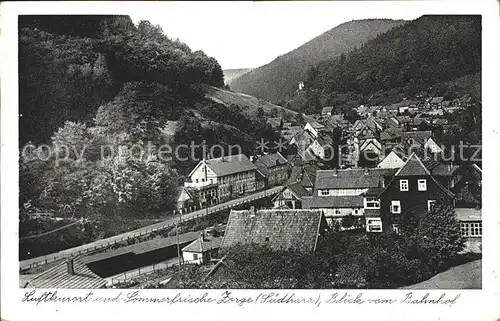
x=202, y=250
x=391, y=136
x=231, y=175
x=420, y=140
x=302, y=140
x=413, y=189
x=305, y=174
x=278, y=229
x=340, y=193
x=327, y=111
x=291, y=196
x=322, y=146
x=392, y=160
x=314, y=128
x=366, y=143
x=404, y=106
x=436, y=102
x=274, y=168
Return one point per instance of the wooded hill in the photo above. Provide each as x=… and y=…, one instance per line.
x=98, y=88
x=424, y=54
x=279, y=79
x=71, y=65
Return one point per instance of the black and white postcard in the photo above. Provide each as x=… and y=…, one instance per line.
x=250, y=160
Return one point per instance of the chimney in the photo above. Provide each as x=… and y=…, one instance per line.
x=335, y=172
x=252, y=210
x=202, y=236
x=70, y=264
x=366, y=171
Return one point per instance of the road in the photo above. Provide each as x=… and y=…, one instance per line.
x=170, y=221
x=465, y=276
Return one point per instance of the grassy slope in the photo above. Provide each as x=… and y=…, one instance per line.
x=232, y=74
x=248, y=103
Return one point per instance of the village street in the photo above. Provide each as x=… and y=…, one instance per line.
x=171, y=220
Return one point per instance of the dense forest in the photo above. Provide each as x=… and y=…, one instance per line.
x=278, y=80
x=428, y=53
x=68, y=67
x=95, y=93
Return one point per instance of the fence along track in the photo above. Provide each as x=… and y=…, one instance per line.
x=90, y=247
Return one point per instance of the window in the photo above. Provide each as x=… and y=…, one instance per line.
x=374, y=225
x=474, y=229
x=372, y=202
x=202, y=180
x=430, y=205
x=422, y=184
x=342, y=192
x=355, y=211
x=324, y=192
x=195, y=256
x=196, y=180
x=337, y=211
x=395, y=206
x=395, y=228
x=403, y=185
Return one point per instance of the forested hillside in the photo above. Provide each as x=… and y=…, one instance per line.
x=95, y=95
x=68, y=67
x=279, y=79
x=425, y=54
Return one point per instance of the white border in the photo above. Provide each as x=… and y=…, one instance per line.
x=473, y=304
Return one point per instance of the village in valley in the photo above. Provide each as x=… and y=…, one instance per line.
x=374, y=196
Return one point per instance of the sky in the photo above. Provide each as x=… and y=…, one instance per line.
x=251, y=34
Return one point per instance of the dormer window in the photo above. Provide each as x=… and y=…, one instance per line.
x=422, y=185
x=403, y=185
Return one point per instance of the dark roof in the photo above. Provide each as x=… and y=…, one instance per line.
x=270, y=160
x=296, y=160
x=391, y=133
x=444, y=170
x=373, y=191
x=298, y=190
x=332, y=202
x=199, y=246
x=419, y=136
x=58, y=277
x=230, y=164
x=143, y=247
x=351, y=178
x=404, y=103
x=413, y=167
x=278, y=229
